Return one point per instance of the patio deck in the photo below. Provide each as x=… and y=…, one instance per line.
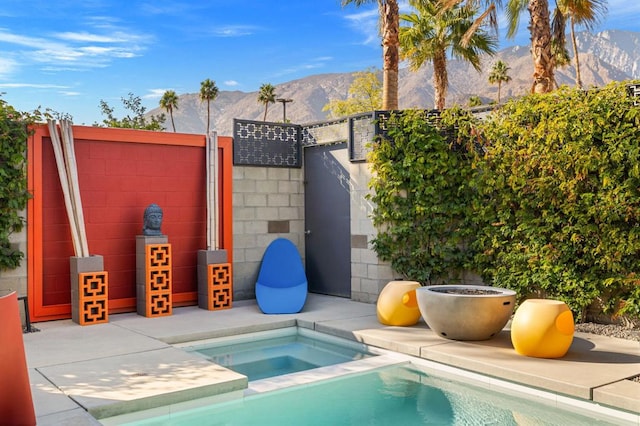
x=130, y=364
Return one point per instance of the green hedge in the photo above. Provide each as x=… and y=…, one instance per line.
x=548, y=206
x=559, y=198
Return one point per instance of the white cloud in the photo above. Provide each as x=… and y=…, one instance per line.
x=366, y=23
x=231, y=83
x=31, y=86
x=76, y=50
x=312, y=64
x=88, y=37
x=7, y=67
x=155, y=93
x=233, y=30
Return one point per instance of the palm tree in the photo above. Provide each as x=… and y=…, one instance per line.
x=544, y=63
x=539, y=27
x=430, y=33
x=389, y=30
x=208, y=92
x=579, y=12
x=489, y=14
x=499, y=75
x=169, y=102
x=266, y=96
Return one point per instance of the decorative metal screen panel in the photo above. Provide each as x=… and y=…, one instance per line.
x=362, y=132
x=634, y=93
x=326, y=132
x=381, y=119
x=258, y=143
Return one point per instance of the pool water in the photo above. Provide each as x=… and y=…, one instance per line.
x=399, y=395
x=261, y=355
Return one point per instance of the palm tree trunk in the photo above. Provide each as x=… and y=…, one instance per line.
x=390, y=15
x=440, y=79
x=172, y=123
x=499, y=87
x=543, y=60
x=575, y=55
x=266, y=107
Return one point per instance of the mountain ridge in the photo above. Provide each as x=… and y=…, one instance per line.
x=611, y=55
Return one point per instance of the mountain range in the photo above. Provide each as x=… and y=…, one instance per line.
x=604, y=57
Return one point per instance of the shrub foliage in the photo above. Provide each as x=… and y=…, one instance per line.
x=421, y=192
x=559, y=198
x=13, y=181
x=549, y=206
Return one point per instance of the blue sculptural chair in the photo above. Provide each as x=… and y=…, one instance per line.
x=282, y=284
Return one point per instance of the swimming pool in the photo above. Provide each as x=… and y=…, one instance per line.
x=398, y=395
x=406, y=391
x=275, y=353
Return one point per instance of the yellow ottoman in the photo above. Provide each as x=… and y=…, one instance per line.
x=542, y=328
x=397, y=304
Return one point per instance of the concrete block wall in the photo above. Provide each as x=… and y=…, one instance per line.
x=268, y=203
x=368, y=274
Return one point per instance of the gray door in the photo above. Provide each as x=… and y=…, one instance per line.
x=327, y=220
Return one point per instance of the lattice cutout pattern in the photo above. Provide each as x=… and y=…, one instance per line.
x=93, y=297
x=158, y=280
x=634, y=93
x=257, y=143
x=158, y=256
x=219, y=286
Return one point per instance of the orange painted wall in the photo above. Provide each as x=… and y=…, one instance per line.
x=120, y=173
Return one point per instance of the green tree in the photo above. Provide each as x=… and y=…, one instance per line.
x=544, y=62
x=136, y=121
x=365, y=94
x=431, y=33
x=389, y=29
x=542, y=42
x=266, y=96
x=489, y=15
x=499, y=74
x=208, y=92
x=13, y=179
x=579, y=12
x=169, y=102
x=474, y=101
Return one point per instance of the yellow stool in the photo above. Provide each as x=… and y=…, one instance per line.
x=397, y=303
x=542, y=328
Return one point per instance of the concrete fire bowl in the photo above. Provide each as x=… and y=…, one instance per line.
x=466, y=312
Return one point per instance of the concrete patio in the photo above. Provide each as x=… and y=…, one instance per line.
x=81, y=373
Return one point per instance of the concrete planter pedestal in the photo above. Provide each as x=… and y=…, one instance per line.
x=466, y=312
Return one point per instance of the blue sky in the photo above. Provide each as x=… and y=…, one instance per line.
x=68, y=55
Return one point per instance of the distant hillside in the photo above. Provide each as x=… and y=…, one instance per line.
x=604, y=57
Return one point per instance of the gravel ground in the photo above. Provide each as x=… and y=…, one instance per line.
x=611, y=330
